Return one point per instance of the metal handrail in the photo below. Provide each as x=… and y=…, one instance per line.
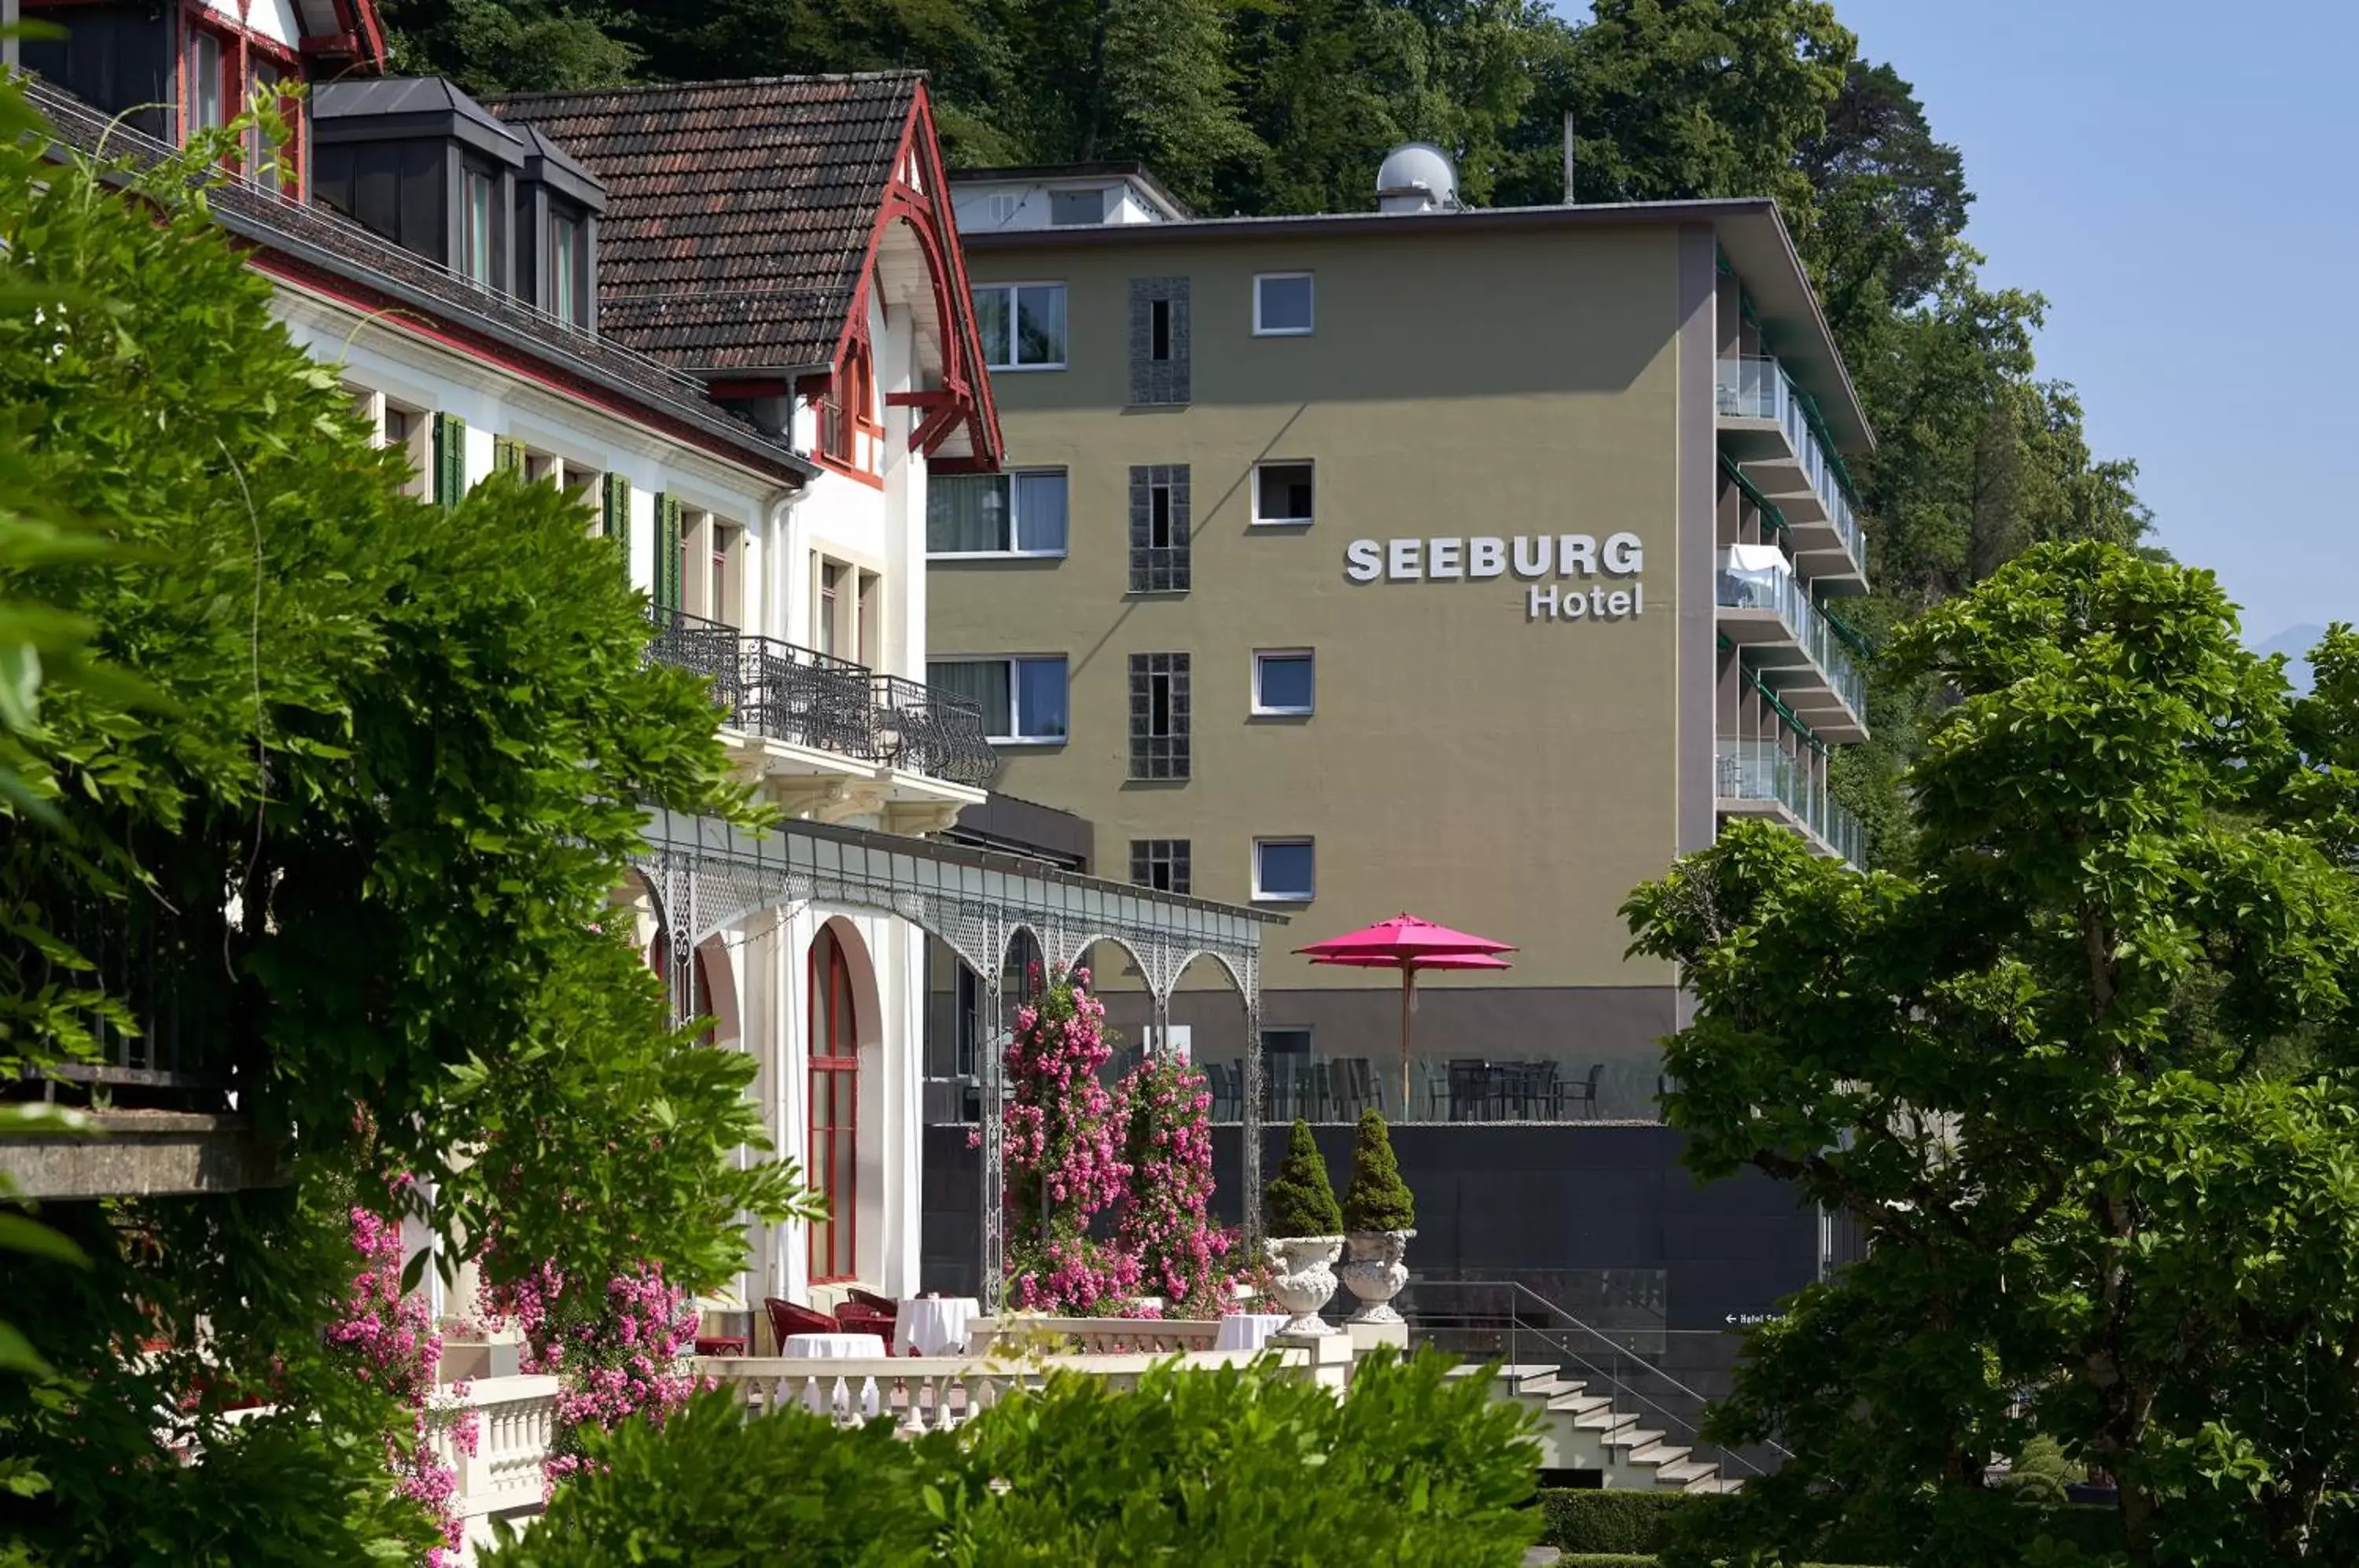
x=1522, y=1293
x=769, y=687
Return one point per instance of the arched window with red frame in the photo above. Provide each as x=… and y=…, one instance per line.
x=834, y=1042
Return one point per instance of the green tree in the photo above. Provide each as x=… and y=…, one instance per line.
x=1300, y=1199
x=510, y=45
x=1377, y=1199
x=2080, y=1081
x=362, y=817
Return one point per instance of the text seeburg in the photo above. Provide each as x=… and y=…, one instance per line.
x=1526, y=556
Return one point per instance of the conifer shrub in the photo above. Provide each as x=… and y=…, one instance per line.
x=1300, y=1200
x=1377, y=1198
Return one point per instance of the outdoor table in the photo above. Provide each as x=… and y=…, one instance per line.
x=720, y=1344
x=821, y=1398
x=933, y=1325
x=1247, y=1330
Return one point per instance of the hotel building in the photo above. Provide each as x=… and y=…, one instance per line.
x=1471, y=562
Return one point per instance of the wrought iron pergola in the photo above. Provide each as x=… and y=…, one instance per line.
x=706, y=876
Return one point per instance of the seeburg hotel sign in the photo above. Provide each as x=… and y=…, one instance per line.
x=1527, y=558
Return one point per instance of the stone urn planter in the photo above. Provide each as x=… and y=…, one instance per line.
x=1376, y=1272
x=1303, y=1278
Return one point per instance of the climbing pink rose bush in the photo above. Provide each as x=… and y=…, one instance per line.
x=388, y=1336
x=1165, y=1222
x=617, y=1352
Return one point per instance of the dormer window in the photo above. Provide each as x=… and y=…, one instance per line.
x=475, y=227
x=205, y=81
x=569, y=302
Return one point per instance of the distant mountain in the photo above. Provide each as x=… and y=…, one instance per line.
x=2294, y=643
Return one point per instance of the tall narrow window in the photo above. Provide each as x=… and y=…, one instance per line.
x=1158, y=715
x=566, y=300
x=834, y=1042
x=831, y=590
x=205, y=82
x=475, y=227
x=1159, y=529
x=1158, y=340
x=1160, y=329
x=259, y=152
x=867, y=615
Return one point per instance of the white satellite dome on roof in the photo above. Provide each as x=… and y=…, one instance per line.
x=1417, y=177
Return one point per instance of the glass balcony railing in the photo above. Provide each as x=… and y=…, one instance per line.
x=1766, y=589
x=1764, y=770
x=1754, y=386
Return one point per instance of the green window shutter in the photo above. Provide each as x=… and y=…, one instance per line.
x=614, y=514
x=668, y=582
x=450, y=459
x=507, y=455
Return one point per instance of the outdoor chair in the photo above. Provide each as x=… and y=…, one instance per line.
x=1583, y=1091
x=858, y=1317
x=1354, y=1082
x=787, y=1318
x=1470, y=1090
x=1547, y=1091
x=1223, y=1078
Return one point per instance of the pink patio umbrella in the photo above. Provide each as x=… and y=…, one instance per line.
x=1408, y=945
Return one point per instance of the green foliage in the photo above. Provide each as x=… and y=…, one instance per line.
x=1613, y=1521
x=2082, y=1082
x=1233, y=1466
x=2040, y=1473
x=364, y=773
x=1299, y=1200
x=1377, y=1197
x=710, y=1487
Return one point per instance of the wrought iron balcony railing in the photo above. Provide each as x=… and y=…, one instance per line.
x=774, y=689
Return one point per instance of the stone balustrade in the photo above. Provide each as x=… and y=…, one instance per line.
x=1092, y=1336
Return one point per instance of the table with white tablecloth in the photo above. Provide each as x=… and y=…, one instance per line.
x=821, y=1395
x=933, y=1325
x=1248, y=1331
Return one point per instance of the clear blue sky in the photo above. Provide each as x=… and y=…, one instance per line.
x=2179, y=180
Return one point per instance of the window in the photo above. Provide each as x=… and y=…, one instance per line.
x=1281, y=494
x=1159, y=557
x=868, y=618
x=831, y=591
x=1018, y=513
x=1022, y=699
x=1283, y=682
x=721, y=573
x=567, y=300
x=834, y=1042
x=1282, y=305
x=205, y=82
x=1158, y=715
x=1285, y=1043
x=259, y=151
x=1071, y=209
x=1022, y=325
x=1159, y=341
x=1161, y=864
x=475, y=227
x=1003, y=205
x=1283, y=870
x=396, y=425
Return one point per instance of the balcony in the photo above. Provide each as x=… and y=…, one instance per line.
x=1767, y=612
x=794, y=714
x=1778, y=445
x=1761, y=779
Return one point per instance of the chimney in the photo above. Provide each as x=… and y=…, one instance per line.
x=1569, y=199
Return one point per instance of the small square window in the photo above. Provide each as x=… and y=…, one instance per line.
x=1162, y=863
x=1022, y=325
x=1281, y=493
x=1284, y=682
x=1073, y=209
x=1284, y=870
x=1282, y=305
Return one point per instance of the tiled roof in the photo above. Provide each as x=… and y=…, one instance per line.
x=738, y=213
x=334, y=244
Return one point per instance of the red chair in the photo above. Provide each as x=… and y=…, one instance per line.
x=883, y=1305
x=860, y=1318
x=787, y=1318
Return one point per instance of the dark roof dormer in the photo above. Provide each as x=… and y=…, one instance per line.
x=559, y=205
x=416, y=160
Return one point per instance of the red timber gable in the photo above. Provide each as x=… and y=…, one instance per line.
x=754, y=228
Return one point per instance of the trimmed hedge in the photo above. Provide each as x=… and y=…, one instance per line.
x=1608, y=1521
x=1631, y=1560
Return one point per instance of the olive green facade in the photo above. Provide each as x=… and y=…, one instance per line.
x=1510, y=773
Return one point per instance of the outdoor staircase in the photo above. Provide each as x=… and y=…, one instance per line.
x=1579, y=1430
